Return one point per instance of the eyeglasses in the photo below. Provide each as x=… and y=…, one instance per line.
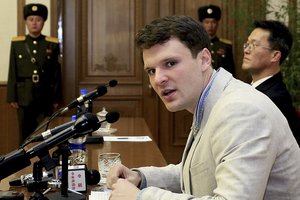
x=253, y=45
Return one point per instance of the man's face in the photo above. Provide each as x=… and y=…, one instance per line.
x=211, y=26
x=175, y=75
x=34, y=24
x=257, y=54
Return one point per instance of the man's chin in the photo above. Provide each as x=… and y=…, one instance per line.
x=173, y=108
x=211, y=34
x=245, y=67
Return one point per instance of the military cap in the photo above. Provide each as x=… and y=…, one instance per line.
x=210, y=11
x=36, y=9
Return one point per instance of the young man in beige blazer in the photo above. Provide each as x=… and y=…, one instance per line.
x=240, y=146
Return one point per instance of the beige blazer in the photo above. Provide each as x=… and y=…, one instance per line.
x=241, y=151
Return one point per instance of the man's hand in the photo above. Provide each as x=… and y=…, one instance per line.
x=123, y=190
x=120, y=171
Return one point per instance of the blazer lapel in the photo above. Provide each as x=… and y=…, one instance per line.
x=218, y=87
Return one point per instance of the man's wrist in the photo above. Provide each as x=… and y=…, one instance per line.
x=143, y=182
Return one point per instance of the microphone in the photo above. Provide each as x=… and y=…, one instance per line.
x=99, y=91
x=86, y=123
x=20, y=158
x=26, y=178
x=110, y=117
x=92, y=177
x=46, y=134
x=13, y=162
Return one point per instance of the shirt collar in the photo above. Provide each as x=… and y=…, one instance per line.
x=201, y=102
x=260, y=81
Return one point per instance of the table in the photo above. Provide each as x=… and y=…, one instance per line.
x=133, y=154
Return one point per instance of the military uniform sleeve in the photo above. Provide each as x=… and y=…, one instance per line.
x=231, y=65
x=11, y=81
x=57, y=79
x=56, y=66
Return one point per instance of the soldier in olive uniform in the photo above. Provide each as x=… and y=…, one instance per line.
x=221, y=49
x=34, y=78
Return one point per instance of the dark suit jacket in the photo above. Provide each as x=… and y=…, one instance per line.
x=276, y=90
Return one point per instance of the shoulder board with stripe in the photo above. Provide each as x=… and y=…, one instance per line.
x=18, y=38
x=51, y=39
x=225, y=41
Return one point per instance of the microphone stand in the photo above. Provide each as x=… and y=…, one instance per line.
x=64, y=194
x=38, y=184
x=20, y=158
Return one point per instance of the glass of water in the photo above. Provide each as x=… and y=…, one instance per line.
x=105, y=162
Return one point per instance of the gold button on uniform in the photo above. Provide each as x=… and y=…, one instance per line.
x=34, y=42
x=34, y=51
x=20, y=56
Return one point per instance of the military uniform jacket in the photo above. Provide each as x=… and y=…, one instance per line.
x=221, y=51
x=46, y=68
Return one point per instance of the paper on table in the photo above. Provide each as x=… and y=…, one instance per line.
x=97, y=195
x=127, y=138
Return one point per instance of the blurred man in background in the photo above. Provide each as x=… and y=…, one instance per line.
x=34, y=78
x=221, y=49
x=268, y=45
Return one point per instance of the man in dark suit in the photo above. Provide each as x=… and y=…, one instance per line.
x=34, y=78
x=267, y=47
x=221, y=49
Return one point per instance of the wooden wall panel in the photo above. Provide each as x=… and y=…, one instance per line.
x=151, y=10
x=102, y=49
x=111, y=38
x=8, y=124
x=107, y=42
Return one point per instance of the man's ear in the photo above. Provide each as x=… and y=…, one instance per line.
x=276, y=55
x=204, y=57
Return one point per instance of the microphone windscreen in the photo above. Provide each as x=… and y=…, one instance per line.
x=112, y=117
x=101, y=90
x=112, y=83
x=92, y=177
x=86, y=122
x=93, y=121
